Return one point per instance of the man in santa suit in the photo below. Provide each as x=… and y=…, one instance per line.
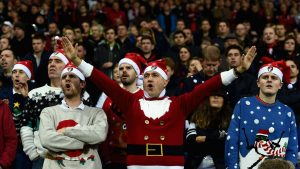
x=113, y=150
x=72, y=130
x=155, y=122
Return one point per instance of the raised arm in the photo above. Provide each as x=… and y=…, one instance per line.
x=104, y=83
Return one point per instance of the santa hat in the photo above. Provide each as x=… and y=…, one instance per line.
x=26, y=66
x=64, y=124
x=279, y=68
x=159, y=66
x=60, y=53
x=70, y=67
x=262, y=132
x=136, y=61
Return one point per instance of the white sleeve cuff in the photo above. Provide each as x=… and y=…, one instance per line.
x=85, y=68
x=227, y=77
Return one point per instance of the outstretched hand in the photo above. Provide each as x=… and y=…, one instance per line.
x=70, y=51
x=247, y=60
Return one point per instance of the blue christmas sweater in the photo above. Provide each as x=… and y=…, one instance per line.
x=259, y=131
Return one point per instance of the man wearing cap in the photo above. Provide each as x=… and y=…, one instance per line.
x=113, y=150
x=155, y=122
x=39, y=98
x=261, y=126
x=71, y=130
x=16, y=98
x=7, y=30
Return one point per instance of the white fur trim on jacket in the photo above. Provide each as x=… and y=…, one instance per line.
x=85, y=68
x=227, y=77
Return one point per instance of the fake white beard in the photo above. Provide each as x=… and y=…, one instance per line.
x=155, y=108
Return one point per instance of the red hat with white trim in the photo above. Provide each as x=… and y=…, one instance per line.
x=262, y=132
x=60, y=53
x=278, y=68
x=26, y=66
x=71, y=68
x=159, y=66
x=136, y=61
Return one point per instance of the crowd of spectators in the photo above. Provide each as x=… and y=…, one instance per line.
x=198, y=38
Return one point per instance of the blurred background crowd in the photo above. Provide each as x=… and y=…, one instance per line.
x=198, y=38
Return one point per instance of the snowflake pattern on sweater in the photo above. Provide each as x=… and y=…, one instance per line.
x=259, y=131
x=41, y=98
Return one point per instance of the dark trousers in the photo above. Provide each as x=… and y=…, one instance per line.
x=21, y=161
x=115, y=166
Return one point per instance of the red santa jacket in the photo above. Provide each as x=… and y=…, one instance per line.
x=8, y=137
x=113, y=149
x=156, y=141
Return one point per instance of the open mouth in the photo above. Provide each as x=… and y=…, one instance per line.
x=51, y=70
x=269, y=86
x=68, y=86
x=4, y=64
x=150, y=86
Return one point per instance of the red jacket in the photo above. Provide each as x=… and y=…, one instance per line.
x=113, y=149
x=163, y=136
x=8, y=137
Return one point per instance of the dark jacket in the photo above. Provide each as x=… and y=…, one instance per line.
x=104, y=54
x=243, y=86
x=41, y=71
x=291, y=97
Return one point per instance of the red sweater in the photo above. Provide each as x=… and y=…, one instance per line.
x=8, y=137
x=167, y=130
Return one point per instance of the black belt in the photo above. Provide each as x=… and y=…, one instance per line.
x=154, y=150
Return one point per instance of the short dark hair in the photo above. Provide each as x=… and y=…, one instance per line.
x=170, y=62
x=178, y=32
x=110, y=28
x=122, y=25
x=233, y=47
x=146, y=37
x=38, y=36
x=13, y=54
